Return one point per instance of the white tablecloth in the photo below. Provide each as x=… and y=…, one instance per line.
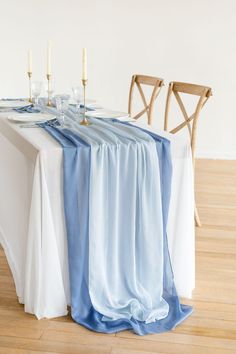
x=32, y=228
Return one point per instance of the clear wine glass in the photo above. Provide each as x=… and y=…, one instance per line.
x=62, y=104
x=78, y=97
x=36, y=90
x=51, y=88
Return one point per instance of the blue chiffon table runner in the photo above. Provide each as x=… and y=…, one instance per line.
x=117, y=185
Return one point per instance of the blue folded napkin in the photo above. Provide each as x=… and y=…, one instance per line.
x=29, y=109
x=50, y=123
x=87, y=108
x=73, y=107
x=12, y=99
x=53, y=123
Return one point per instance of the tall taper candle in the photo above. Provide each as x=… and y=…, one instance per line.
x=29, y=61
x=49, y=69
x=84, y=61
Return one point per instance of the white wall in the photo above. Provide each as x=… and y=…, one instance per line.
x=185, y=40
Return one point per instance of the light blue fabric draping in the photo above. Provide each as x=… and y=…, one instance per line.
x=13, y=99
x=117, y=181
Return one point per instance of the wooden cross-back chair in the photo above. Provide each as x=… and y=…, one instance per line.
x=204, y=92
x=138, y=80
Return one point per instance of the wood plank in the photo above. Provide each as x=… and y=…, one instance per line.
x=125, y=351
x=19, y=331
x=195, y=340
x=167, y=342
x=208, y=198
x=3, y=350
x=13, y=351
x=217, y=216
x=51, y=346
x=216, y=166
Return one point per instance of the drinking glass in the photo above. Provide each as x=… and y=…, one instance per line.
x=51, y=89
x=36, y=90
x=78, y=97
x=62, y=104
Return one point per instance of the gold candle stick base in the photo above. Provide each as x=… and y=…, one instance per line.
x=49, y=76
x=30, y=88
x=84, y=121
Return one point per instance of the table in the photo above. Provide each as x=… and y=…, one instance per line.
x=32, y=225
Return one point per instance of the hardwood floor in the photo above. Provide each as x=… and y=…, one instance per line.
x=210, y=330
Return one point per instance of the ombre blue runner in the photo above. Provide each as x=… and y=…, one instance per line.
x=117, y=185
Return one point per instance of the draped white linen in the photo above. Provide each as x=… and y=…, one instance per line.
x=35, y=244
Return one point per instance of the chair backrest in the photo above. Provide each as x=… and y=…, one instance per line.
x=138, y=80
x=190, y=122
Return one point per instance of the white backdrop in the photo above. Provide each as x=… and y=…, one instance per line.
x=184, y=40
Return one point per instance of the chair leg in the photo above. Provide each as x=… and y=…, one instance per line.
x=196, y=217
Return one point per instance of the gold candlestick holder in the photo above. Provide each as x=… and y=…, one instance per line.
x=49, y=77
x=30, y=86
x=84, y=120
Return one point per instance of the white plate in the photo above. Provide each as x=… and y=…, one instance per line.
x=13, y=104
x=106, y=114
x=30, y=117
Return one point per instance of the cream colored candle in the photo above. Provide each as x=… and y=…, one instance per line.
x=84, y=62
x=29, y=61
x=49, y=57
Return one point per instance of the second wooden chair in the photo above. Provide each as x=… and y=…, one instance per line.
x=203, y=92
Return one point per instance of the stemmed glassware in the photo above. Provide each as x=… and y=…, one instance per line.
x=52, y=89
x=62, y=104
x=78, y=97
x=36, y=90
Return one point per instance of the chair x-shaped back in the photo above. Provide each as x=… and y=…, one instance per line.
x=204, y=93
x=138, y=80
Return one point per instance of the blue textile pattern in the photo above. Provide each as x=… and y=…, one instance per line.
x=119, y=263
x=27, y=109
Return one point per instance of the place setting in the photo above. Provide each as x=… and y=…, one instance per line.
x=53, y=109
